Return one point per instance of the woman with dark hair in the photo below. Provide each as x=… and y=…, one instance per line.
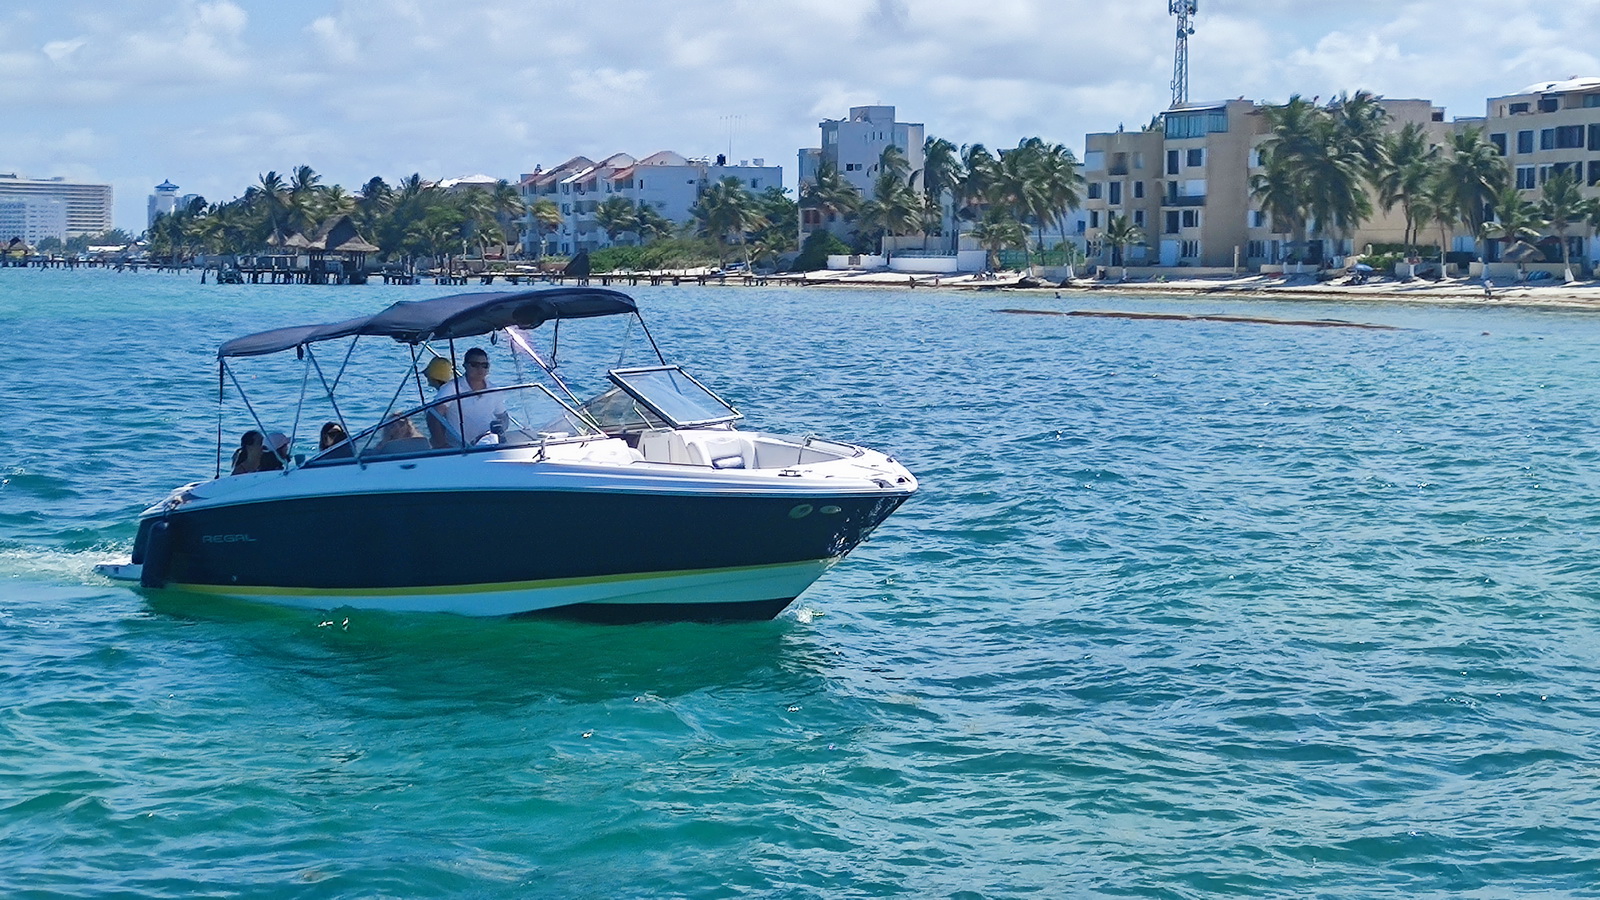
x=332, y=433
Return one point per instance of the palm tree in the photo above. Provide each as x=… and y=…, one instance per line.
x=1278, y=189
x=271, y=198
x=1060, y=182
x=997, y=231
x=726, y=209
x=1476, y=173
x=1119, y=233
x=1410, y=160
x=546, y=219
x=1017, y=184
x=304, y=186
x=1516, y=223
x=941, y=178
x=1360, y=122
x=977, y=180
x=1438, y=204
x=615, y=216
x=1562, y=206
x=830, y=194
x=649, y=224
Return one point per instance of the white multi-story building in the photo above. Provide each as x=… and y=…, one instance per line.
x=162, y=202
x=666, y=181
x=88, y=206
x=854, y=146
x=32, y=220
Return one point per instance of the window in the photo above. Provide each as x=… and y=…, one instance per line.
x=1499, y=142
x=566, y=209
x=1594, y=172
x=1138, y=217
x=1256, y=250
x=1569, y=137
x=1138, y=186
x=1549, y=104
x=1525, y=180
x=1547, y=139
x=1594, y=137
x=1590, y=101
x=1197, y=157
x=1196, y=124
x=1138, y=158
x=1524, y=142
x=1094, y=190
x=1190, y=249
x=1258, y=219
x=1094, y=160
x=755, y=184
x=1172, y=162
x=1191, y=218
x=1172, y=223
x=1094, y=218
x=1115, y=197
x=1517, y=109
x=1544, y=174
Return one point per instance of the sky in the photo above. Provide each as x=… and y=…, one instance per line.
x=212, y=93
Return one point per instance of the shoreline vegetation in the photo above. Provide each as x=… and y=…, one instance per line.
x=1326, y=170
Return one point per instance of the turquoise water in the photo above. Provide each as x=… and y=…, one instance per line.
x=1184, y=609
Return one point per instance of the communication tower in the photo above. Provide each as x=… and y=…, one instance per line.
x=1185, y=11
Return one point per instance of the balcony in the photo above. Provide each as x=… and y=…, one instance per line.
x=1175, y=200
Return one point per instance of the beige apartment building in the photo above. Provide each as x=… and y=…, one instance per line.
x=1186, y=184
x=1543, y=129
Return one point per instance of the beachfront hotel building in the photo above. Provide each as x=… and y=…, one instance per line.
x=32, y=220
x=87, y=206
x=1544, y=129
x=853, y=146
x=666, y=181
x=1185, y=183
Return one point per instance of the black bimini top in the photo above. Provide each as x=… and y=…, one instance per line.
x=445, y=318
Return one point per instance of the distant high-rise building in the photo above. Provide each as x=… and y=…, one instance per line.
x=88, y=206
x=33, y=220
x=162, y=202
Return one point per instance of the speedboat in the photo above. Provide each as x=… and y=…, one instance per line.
x=643, y=502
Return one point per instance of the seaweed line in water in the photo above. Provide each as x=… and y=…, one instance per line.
x=1180, y=317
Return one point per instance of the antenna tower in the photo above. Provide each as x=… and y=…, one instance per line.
x=1185, y=11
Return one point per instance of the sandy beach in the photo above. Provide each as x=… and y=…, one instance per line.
x=1578, y=294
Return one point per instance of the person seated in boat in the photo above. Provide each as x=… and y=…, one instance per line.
x=332, y=434
x=470, y=417
x=401, y=436
x=260, y=454
x=439, y=371
x=247, y=458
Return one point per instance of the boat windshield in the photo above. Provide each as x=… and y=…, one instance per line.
x=673, y=396
x=525, y=415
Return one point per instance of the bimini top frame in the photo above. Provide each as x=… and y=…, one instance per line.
x=416, y=322
x=448, y=318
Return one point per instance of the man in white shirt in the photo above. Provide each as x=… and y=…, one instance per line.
x=470, y=417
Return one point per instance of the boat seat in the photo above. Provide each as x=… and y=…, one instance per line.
x=664, y=446
x=718, y=451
